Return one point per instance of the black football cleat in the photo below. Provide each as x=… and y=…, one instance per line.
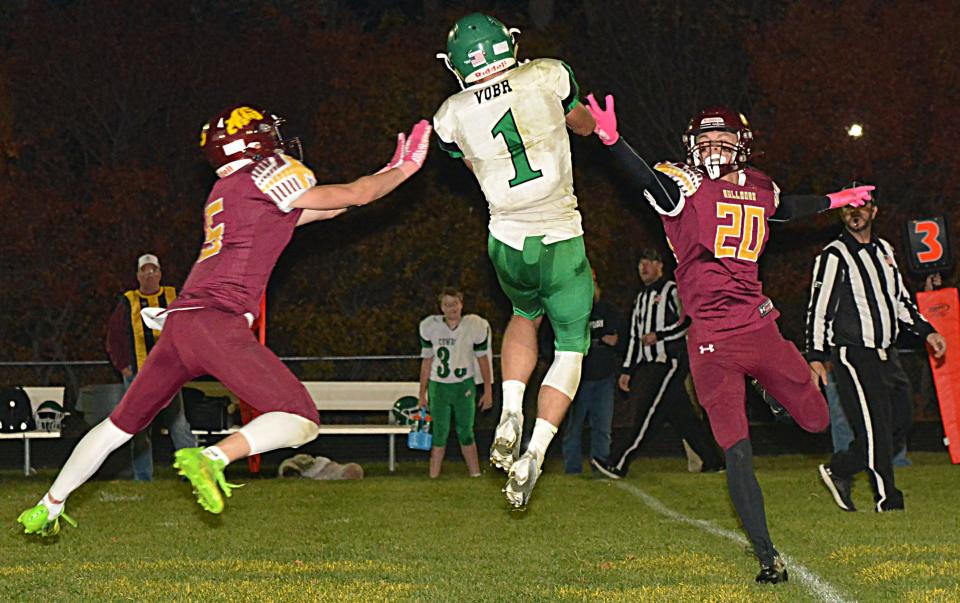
x=774, y=573
x=886, y=508
x=839, y=487
x=606, y=469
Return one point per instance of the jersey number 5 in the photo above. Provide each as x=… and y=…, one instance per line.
x=522, y=172
x=213, y=241
x=746, y=224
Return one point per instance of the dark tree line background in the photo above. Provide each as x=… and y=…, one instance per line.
x=101, y=103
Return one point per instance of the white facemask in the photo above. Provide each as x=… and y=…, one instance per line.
x=713, y=162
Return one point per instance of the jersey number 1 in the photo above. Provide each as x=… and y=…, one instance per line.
x=507, y=126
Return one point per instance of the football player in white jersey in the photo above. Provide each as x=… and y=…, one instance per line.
x=509, y=125
x=454, y=348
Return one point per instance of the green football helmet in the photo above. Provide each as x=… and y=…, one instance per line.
x=479, y=46
x=406, y=410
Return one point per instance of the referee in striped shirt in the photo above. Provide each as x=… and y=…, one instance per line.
x=858, y=305
x=654, y=371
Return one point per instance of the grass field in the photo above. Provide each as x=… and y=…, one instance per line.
x=660, y=535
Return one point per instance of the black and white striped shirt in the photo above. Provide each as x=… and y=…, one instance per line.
x=858, y=298
x=656, y=309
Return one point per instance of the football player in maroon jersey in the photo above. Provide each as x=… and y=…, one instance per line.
x=263, y=193
x=715, y=210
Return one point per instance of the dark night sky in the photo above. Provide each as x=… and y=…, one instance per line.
x=101, y=102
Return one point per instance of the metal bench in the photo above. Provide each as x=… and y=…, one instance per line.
x=342, y=396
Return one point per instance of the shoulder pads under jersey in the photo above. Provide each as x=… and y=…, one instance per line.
x=283, y=179
x=687, y=178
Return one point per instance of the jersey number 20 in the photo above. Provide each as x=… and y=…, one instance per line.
x=746, y=224
x=522, y=172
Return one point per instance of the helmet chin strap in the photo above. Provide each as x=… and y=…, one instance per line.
x=446, y=63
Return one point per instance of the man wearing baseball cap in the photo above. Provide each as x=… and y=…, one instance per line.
x=129, y=340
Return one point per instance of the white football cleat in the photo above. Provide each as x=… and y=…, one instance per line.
x=506, y=441
x=522, y=477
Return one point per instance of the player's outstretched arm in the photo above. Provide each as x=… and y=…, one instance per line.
x=663, y=192
x=799, y=206
x=315, y=215
x=407, y=160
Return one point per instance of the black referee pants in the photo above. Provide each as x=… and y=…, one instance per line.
x=868, y=393
x=658, y=394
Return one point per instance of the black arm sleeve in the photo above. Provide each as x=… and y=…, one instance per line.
x=799, y=206
x=665, y=192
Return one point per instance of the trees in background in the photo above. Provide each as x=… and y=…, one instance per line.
x=101, y=104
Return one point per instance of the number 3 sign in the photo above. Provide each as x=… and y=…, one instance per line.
x=929, y=245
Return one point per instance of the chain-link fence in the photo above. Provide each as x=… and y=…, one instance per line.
x=74, y=375
x=95, y=378
x=88, y=376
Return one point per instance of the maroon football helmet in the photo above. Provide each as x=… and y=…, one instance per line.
x=245, y=132
x=721, y=119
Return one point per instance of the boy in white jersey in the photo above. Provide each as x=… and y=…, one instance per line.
x=509, y=126
x=454, y=347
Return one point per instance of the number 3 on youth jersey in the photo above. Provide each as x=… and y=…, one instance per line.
x=522, y=172
x=443, y=355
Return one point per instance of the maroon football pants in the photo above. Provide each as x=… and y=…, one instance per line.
x=719, y=368
x=207, y=341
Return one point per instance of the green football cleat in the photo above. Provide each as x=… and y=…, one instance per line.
x=36, y=520
x=206, y=477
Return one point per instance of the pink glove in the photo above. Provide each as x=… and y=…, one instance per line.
x=606, y=119
x=855, y=196
x=416, y=147
x=397, y=155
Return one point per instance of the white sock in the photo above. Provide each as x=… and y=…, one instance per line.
x=53, y=509
x=275, y=430
x=87, y=457
x=214, y=453
x=543, y=433
x=512, y=397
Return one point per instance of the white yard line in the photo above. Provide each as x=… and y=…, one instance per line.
x=817, y=585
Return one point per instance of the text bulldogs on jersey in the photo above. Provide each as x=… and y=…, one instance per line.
x=493, y=91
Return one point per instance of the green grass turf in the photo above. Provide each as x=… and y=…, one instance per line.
x=404, y=537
